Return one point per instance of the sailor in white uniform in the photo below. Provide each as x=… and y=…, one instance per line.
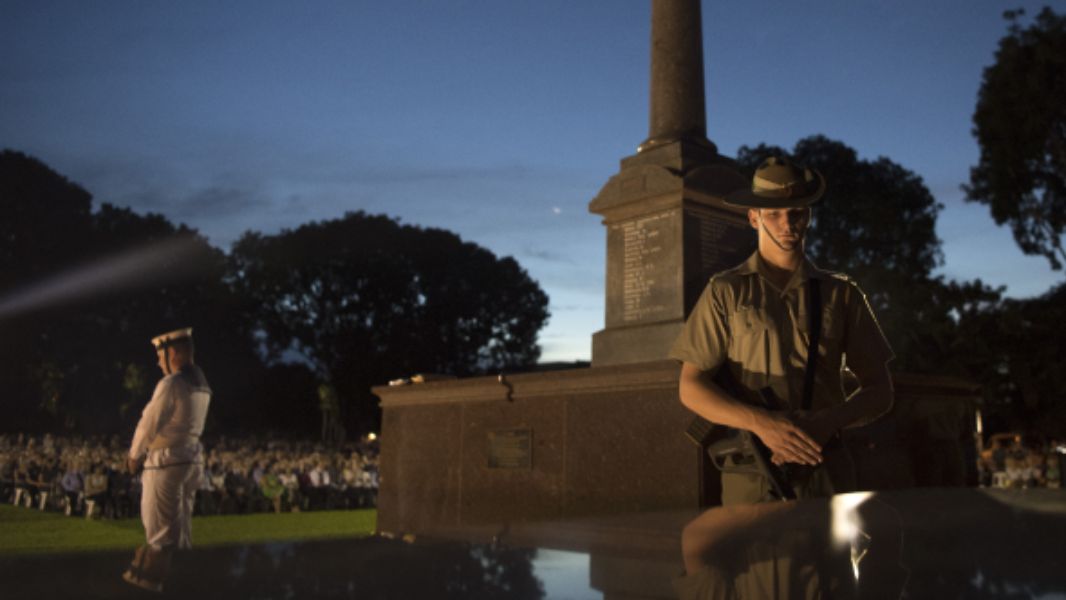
x=166, y=446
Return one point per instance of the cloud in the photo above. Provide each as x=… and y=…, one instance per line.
x=193, y=206
x=557, y=308
x=221, y=202
x=323, y=167
x=547, y=255
x=336, y=172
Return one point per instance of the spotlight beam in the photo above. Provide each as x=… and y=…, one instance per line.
x=158, y=263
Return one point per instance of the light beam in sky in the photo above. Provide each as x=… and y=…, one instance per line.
x=170, y=261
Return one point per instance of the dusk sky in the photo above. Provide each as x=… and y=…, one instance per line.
x=499, y=120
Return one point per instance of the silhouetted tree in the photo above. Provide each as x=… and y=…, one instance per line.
x=42, y=216
x=365, y=299
x=43, y=219
x=1020, y=125
x=361, y=300
x=287, y=400
x=78, y=355
x=1022, y=365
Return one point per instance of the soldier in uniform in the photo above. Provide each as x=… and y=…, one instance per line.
x=166, y=449
x=754, y=321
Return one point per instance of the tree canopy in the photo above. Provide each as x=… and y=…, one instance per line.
x=351, y=303
x=1020, y=126
x=96, y=287
x=42, y=215
x=365, y=299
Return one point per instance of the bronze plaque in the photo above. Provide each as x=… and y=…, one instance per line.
x=511, y=449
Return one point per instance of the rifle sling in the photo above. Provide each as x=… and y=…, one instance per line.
x=814, y=322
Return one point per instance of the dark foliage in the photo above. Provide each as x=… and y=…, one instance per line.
x=364, y=299
x=1020, y=125
x=84, y=292
x=358, y=300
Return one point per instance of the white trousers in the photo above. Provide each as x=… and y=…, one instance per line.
x=168, y=494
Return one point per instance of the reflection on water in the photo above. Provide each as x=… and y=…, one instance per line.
x=364, y=568
x=917, y=544
x=920, y=544
x=847, y=548
x=564, y=575
x=375, y=568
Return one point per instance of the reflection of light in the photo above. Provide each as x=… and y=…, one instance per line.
x=859, y=547
x=564, y=574
x=845, y=522
x=148, y=265
x=846, y=527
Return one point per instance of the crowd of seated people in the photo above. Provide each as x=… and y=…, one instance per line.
x=87, y=476
x=1015, y=461
x=283, y=476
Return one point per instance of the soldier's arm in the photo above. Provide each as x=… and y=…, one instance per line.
x=872, y=400
x=781, y=435
x=867, y=354
x=155, y=414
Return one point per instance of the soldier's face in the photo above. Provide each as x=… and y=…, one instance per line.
x=785, y=227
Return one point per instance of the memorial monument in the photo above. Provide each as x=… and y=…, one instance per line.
x=487, y=452
x=668, y=230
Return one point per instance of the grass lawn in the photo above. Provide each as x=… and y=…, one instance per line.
x=27, y=531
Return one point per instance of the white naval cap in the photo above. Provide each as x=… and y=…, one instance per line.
x=168, y=338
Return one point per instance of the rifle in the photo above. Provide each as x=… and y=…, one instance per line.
x=748, y=453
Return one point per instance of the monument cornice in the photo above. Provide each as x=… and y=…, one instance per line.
x=656, y=375
x=653, y=375
x=650, y=188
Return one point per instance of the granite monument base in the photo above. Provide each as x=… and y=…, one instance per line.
x=537, y=446
x=491, y=451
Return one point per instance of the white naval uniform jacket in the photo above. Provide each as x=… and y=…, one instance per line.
x=172, y=421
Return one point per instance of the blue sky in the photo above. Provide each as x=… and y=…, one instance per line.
x=498, y=120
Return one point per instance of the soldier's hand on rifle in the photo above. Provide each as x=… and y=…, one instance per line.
x=787, y=440
x=816, y=423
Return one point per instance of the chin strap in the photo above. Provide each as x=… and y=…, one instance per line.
x=166, y=360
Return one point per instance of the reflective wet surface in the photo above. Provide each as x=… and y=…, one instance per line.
x=916, y=544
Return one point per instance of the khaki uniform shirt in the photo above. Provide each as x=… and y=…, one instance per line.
x=760, y=332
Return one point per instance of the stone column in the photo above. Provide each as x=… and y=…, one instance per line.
x=677, y=100
x=667, y=228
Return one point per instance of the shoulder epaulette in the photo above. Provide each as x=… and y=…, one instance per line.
x=844, y=277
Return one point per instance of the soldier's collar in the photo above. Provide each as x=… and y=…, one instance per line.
x=806, y=270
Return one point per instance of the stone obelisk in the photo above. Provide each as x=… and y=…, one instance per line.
x=668, y=230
